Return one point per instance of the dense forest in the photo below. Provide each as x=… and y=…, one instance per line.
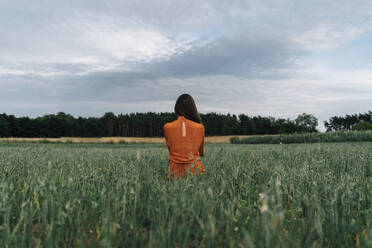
x=151, y=124
x=146, y=125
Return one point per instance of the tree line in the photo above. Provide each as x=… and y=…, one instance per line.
x=147, y=125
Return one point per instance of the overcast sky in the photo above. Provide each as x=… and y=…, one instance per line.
x=259, y=57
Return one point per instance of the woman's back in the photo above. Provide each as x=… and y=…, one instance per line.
x=185, y=140
x=184, y=136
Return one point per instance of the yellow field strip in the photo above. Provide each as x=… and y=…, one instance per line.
x=211, y=139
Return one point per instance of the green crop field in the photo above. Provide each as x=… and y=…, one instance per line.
x=118, y=195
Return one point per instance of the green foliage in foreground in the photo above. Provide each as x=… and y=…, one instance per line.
x=339, y=136
x=63, y=195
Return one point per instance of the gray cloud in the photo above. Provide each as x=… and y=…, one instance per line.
x=249, y=54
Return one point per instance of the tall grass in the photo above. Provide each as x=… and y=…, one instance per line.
x=339, y=136
x=68, y=195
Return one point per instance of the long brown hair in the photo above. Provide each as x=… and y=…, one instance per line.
x=186, y=107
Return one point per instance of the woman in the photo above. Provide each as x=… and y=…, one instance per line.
x=185, y=139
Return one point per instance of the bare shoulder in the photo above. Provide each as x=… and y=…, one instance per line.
x=202, y=128
x=198, y=125
x=168, y=125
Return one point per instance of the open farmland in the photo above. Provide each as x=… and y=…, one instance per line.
x=104, y=195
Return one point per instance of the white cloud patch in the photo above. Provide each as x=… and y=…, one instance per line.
x=81, y=45
x=326, y=38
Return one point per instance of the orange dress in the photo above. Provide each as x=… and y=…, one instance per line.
x=185, y=140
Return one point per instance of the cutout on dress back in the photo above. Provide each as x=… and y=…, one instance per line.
x=183, y=129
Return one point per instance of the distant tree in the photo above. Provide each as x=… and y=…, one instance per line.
x=367, y=117
x=363, y=125
x=306, y=122
x=262, y=125
x=285, y=126
x=4, y=126
x=109, y=123
x=245, y=124
x=335, y=123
